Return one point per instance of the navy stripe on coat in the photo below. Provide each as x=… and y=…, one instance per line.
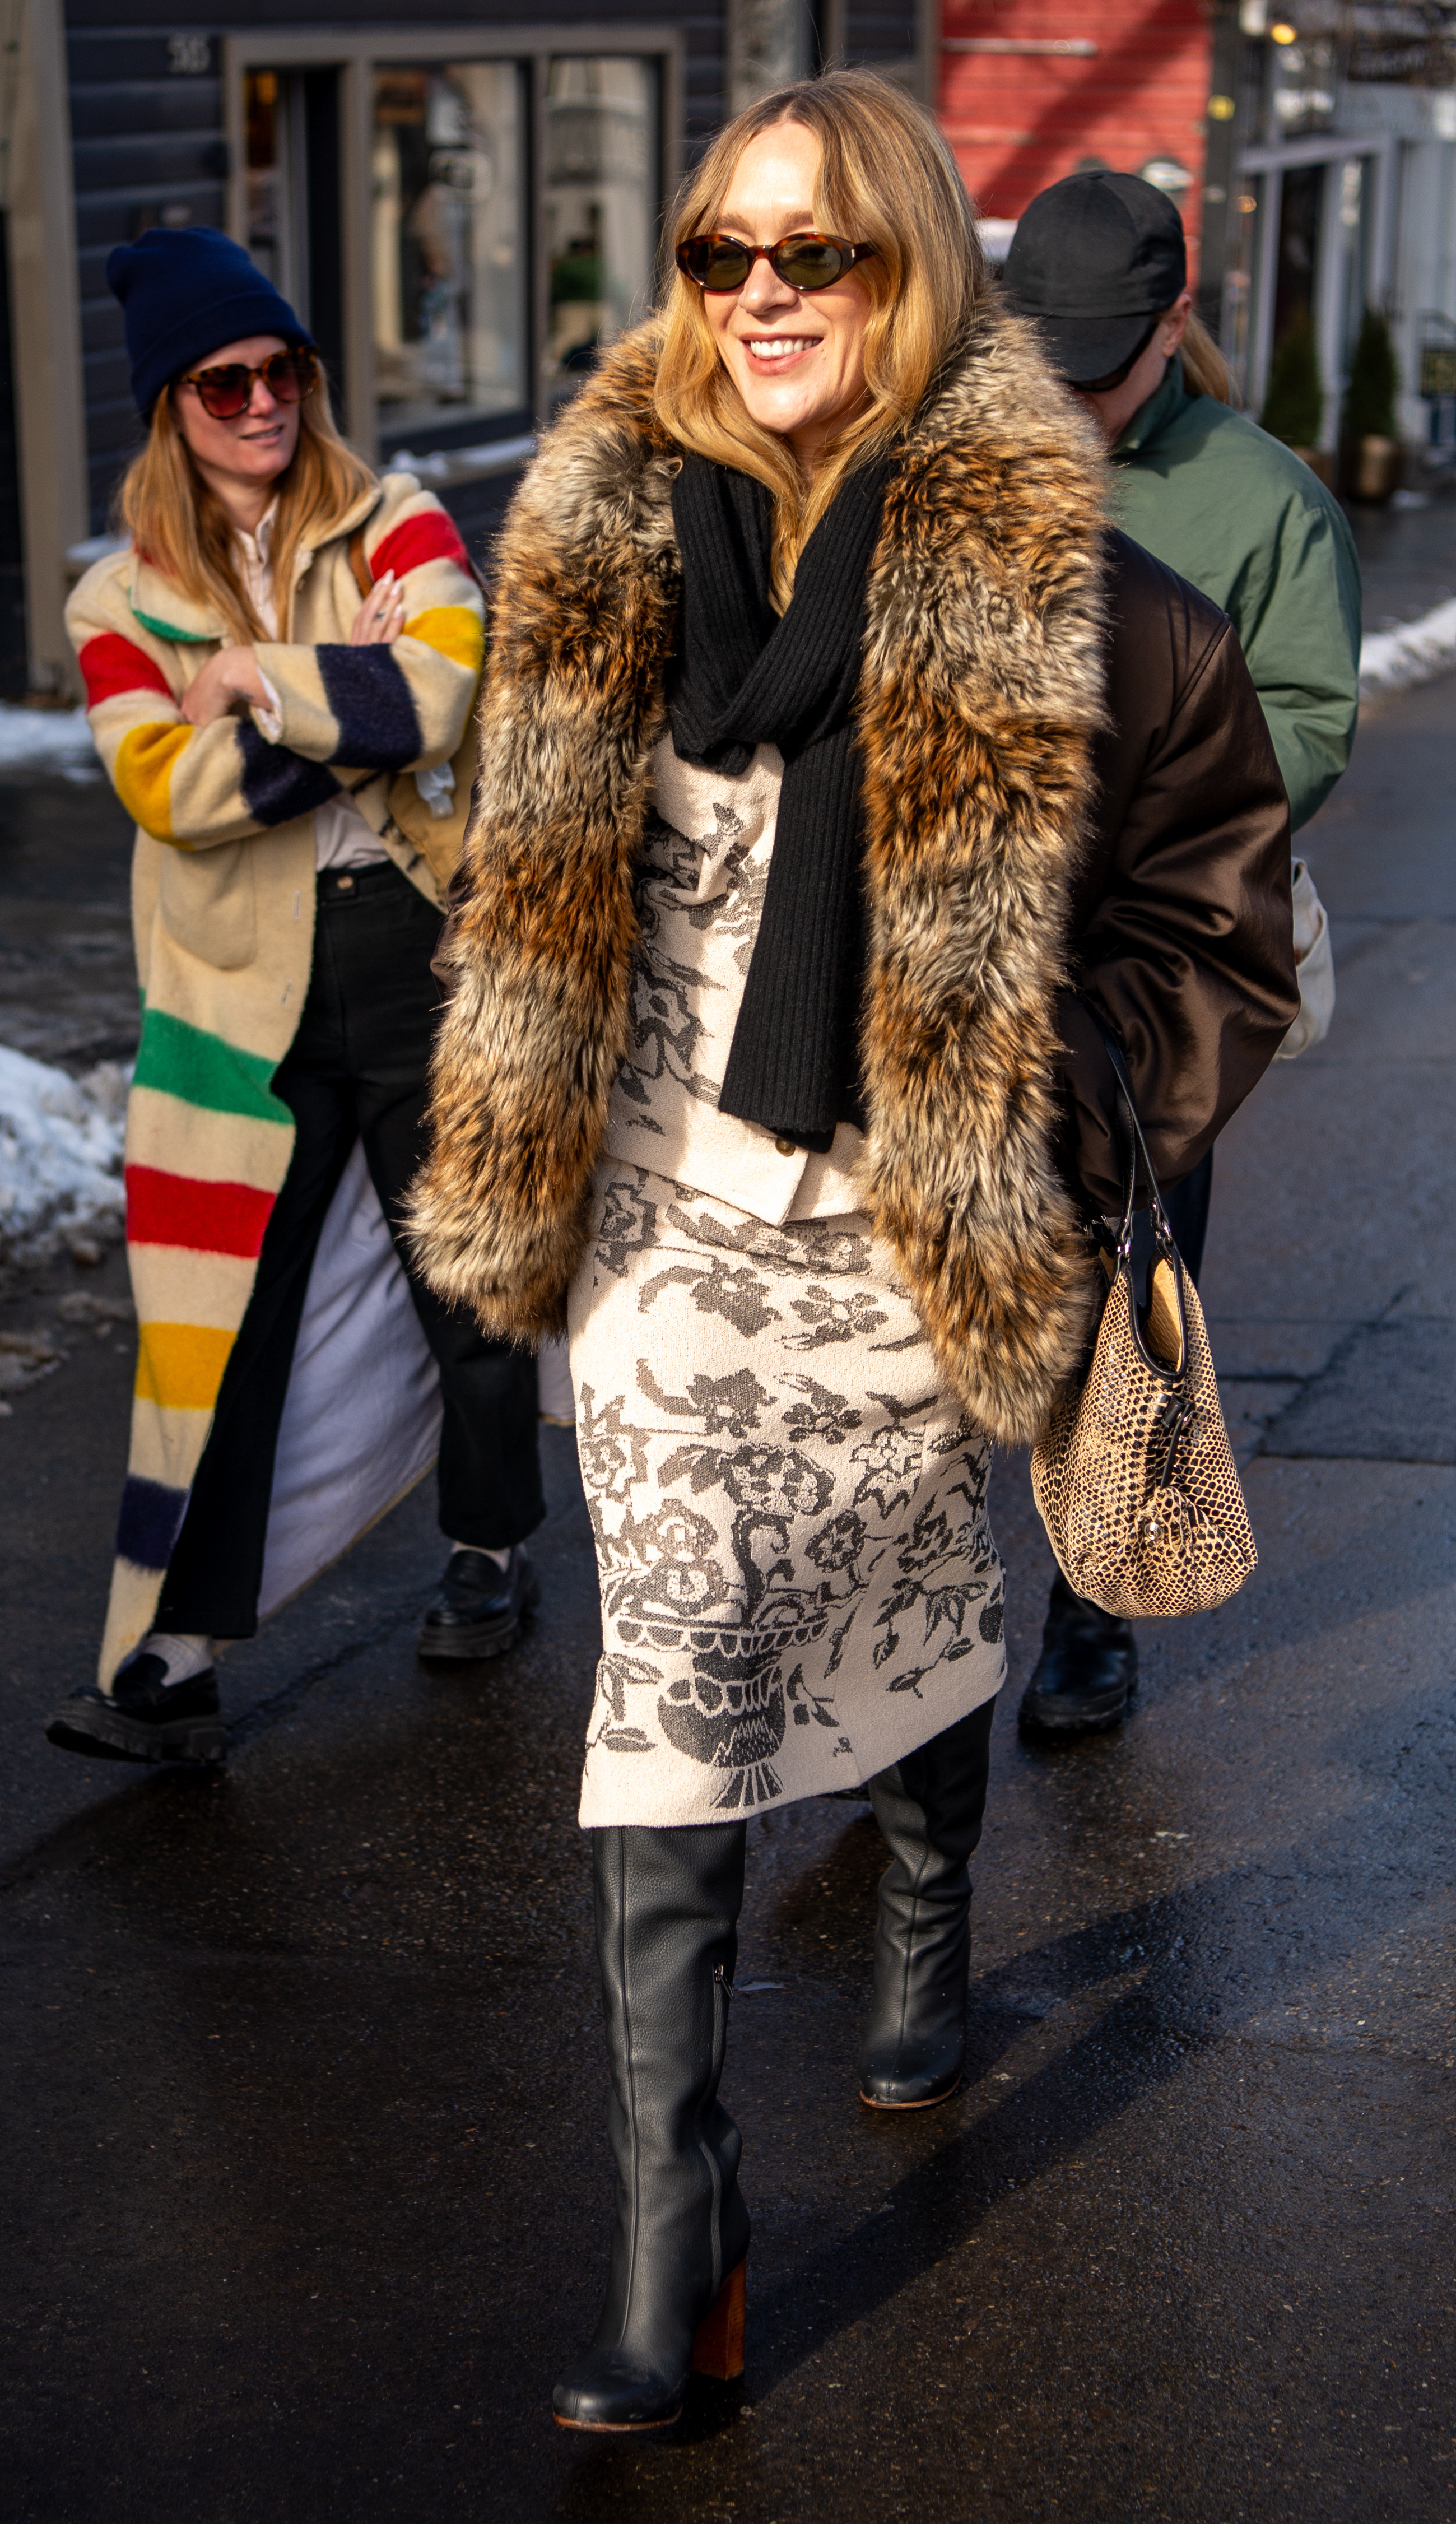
x=279, y=784
x=371, y=701
x=150, y=1520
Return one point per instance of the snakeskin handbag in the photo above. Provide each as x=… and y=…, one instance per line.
x=1132, y=1473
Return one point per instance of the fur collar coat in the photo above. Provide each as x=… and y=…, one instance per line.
x=978, y=704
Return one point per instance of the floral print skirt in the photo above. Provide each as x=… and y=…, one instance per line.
x=799, y=1581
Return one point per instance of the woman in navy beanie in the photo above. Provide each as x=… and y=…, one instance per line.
x=183, y=290
x=280, y=670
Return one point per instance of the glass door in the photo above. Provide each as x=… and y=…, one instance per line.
x=292, y=198
x=449, y=286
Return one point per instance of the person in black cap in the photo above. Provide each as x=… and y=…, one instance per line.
x=280, y=667
x=1099, y=260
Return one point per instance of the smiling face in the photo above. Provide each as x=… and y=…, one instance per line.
x=796, y=357
x=240, y=460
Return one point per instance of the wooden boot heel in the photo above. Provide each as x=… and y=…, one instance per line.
x=717, y=2348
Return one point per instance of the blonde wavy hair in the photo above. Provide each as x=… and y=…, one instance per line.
x=1205, y=369
x=172, y=516
x=887, y=178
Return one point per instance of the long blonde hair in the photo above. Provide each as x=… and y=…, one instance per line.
x=1204, y=366
x=887, y=178
x=174, y=520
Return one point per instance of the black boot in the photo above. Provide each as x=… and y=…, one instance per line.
x=1086, y=1672
x=929, y=1808
x=667, y=1905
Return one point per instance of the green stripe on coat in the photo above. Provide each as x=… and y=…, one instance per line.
x=201, y=1068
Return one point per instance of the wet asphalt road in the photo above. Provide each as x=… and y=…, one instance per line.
x=303, y=2113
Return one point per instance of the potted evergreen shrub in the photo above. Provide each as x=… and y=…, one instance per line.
x=1371, y=455
x=1294, y=399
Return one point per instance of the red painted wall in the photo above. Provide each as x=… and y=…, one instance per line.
x=1019, y=120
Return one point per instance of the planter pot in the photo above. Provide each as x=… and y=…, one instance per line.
x=1320, y=459
x=1372, y=468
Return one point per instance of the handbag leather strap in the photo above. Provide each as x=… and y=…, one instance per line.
x=1137, y=1147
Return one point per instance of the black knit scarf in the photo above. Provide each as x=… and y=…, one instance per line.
x=741, y=677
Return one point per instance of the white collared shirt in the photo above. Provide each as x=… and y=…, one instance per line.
x=342, y=838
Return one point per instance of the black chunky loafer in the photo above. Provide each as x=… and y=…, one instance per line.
x=143, y=1718
x=478, y=1608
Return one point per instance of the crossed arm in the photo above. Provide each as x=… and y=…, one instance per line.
x=233, y=675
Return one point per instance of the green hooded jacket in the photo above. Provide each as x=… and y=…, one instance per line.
x=1211, y=494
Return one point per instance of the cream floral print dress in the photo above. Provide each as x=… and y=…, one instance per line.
x=799, y=1581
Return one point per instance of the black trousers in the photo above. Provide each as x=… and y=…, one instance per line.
x=356, y=1070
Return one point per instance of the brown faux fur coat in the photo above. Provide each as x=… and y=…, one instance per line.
x=981, y=698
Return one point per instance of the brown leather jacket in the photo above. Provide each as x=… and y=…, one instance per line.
x=1181, y=931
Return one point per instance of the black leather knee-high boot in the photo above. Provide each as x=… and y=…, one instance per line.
x=929, y=1808
x=667, y=1905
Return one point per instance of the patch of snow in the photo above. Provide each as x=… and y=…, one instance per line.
x=1412, y=654
x=45, y=740
x=60, y=1157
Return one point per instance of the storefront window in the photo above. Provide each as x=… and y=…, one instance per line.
x=449, y=255
x=601, y=207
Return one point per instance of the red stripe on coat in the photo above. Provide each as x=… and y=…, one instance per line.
x=112, y=665
x=410, y=545
x=209, y=1217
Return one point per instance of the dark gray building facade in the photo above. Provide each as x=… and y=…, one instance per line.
x=461, y=201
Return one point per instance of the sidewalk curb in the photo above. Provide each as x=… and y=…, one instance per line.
x=1413, y=653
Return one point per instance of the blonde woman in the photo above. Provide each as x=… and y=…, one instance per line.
x=253, y=707
x=839, y=774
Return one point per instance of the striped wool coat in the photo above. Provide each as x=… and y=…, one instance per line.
x=223, y=909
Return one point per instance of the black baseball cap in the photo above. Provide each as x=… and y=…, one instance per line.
x=1094, y=260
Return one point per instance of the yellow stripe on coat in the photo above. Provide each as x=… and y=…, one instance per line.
x=452, y=631
x=142, y=773
x=180, y=1364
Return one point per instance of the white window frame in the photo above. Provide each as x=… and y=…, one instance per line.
x=354, y=57
x=1327, y=150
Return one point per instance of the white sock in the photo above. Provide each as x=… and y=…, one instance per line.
x=183, y=1653
x=501, y=1559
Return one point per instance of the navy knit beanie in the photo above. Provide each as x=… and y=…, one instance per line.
x=184, y=293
